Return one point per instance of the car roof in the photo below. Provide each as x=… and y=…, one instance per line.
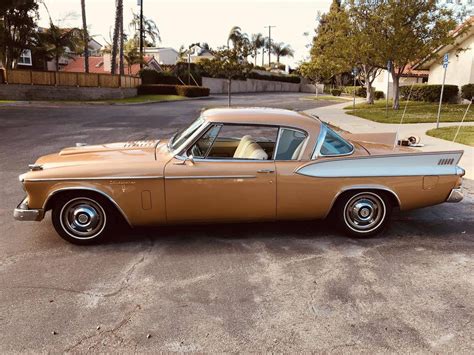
x=263, y=116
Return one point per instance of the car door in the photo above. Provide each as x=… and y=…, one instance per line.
x=215, y=185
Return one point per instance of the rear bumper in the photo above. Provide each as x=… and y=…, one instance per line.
x=24, y=213
x=456, y=195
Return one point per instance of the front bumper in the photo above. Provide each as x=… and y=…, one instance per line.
x=24, y=213
x=456, y=195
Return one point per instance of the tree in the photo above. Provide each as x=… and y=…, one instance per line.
x=328, y=52
x=131, y=54
x=228, y=64
x=235, y=36
x=117, y=34
x=17, y=29
x=86, y=36
x=150, y=30
x=56, y=43
x=412, y=34
x=282, y=50
x=310, y=71
x=257, y=42
x=240, y=42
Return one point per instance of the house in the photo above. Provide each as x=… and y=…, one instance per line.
x=102, y=65
x=197, y=53
x=460, y=70
x=163, y=55
x=409, y=76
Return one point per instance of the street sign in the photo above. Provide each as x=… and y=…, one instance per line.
x=445, y=61
x=389, y=65
x=355, y=71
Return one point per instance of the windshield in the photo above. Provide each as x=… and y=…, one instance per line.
x=182, y=136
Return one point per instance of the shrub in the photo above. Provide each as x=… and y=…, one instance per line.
x=182, y=90
x=192, y=91
x=360, y=91
x=336, y=92
x=429, y=93
x=2, y=76
x=467, y=91
x=378, y=95
x=274, y=77
x=154, y=77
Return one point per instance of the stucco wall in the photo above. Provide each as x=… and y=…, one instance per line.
x=380, y=82
x=37, y=92
x=460, y=68
x=219, y=86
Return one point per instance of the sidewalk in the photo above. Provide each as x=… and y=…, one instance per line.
x=335, y=115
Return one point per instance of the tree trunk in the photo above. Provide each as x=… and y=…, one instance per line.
x=370, y=92
x=255, y=59
x=57, y=62
x=115, y=39
x=396, y=90
x=229, y=89
x=86, y=36
x=122, y=70
x=263, y=56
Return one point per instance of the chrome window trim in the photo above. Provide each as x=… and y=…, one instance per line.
x=321, y=137
x=198, y=133
x=95, y=178
x=87, y=189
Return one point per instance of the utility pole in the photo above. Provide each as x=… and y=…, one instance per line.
x=269, y=43
x=140, y=2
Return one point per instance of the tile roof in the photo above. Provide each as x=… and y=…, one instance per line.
x=96, y=65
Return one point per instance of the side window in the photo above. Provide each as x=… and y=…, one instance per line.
x=238, y=142
x=334, y=144
x=201, y=148
x=290, y=144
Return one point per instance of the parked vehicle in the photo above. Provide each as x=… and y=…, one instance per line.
x=242, y=164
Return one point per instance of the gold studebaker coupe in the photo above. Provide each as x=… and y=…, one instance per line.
x=234, y=165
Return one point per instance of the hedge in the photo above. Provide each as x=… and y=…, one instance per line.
x=272, y=77
x=429, y=93
x=2, y=76
x=182, y=90
x=467, y=91
x=336, y=92
x=360, y=91
x=378, y=95
x=153, y=77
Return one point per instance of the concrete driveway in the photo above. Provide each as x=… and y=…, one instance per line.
x=279, y=287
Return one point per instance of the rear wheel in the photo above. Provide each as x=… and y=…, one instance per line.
x=83, y=219
x=363, y=214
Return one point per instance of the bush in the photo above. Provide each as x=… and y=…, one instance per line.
x=192, y=91
x=336, y=92
x=467, y=91
x=274, y=77
x=2, y=76
x=181, y=90
x=379, y=95
x=360, y=91
x=153, y=77
x=429, y=93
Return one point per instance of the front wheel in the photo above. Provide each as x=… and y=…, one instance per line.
x=363, y=214
x=82, y=219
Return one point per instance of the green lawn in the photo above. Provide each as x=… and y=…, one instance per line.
x=145, y=98
x=417, y=112
x=465, y=136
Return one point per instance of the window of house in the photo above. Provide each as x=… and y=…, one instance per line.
x=25, y=58
x=246, y=142
x=290, y=144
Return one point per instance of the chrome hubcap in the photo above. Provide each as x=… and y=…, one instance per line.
x=82, y=218
x=364, y=212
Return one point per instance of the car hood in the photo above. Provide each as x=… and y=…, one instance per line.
x=134, y=158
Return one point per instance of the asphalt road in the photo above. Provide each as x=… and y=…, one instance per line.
x=252, y=287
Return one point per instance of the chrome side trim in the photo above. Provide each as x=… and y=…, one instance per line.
x=211, y=177
x=363, y=188
x=405, y=164
x=87, y=189
x=455, y=195
x=97, y=178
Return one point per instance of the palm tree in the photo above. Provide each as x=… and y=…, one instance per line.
x=257, y=42
x=85, y=36
x=56, y=43
x=116, y=37
x=131, y=54
x=235, y=36
x=282, y=50
x=150, y=30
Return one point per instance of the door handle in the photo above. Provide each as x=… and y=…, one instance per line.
x=265, y=171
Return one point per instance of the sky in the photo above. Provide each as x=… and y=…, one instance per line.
x=182, y=22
